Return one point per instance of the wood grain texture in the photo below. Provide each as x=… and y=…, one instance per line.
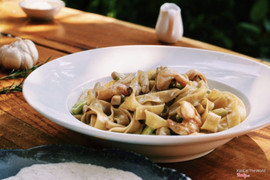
x=226, y=161
x=23, y=127
x=74, y=31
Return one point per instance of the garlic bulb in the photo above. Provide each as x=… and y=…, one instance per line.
x=21, y=54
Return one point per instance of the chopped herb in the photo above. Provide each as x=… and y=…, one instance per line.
x=178, y=119
x=22, y=72
x=12, y=88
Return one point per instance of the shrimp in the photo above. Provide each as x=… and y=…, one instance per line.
x=106, y=93
x=191, y=120
x=195, y=75
x=165, y=75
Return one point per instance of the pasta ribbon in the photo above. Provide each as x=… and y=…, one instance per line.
x=159, y=101
x=154, y=121
x=194, y=98
x=140, y=111
x=130, y=102
x=211, y=122
x=101, y=118
x=158, y=97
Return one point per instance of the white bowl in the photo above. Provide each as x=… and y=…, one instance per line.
x=54, y=88
x=41, y=9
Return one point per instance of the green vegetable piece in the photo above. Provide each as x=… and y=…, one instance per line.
x=220, y=111
x=77, y=108
x=117, y=78
x=147, y=130
x=178, y=119
x=178, y=85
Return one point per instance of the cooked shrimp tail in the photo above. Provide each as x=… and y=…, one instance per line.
x=195, y=75
x=106, y=93
x=191, y=121
x=165, y=76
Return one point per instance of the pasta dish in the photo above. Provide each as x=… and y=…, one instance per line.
x=159, y=102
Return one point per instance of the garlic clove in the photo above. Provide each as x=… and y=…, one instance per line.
x=21, y=45
x=11, y=60
x=32, y=50
x=27, y=61
x=2, y=50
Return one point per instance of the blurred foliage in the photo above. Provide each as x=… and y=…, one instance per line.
x=239, y=25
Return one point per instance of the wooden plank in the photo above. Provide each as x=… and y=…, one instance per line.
x=260, y=137
x=16, y=114
x=226, y=161
x=6, y=144
x=27, y=138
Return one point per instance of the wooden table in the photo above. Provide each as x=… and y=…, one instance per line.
x=73, y=31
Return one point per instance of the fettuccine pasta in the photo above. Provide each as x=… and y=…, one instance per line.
x=159, y=102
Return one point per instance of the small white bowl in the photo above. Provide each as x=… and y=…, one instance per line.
x=41, y=9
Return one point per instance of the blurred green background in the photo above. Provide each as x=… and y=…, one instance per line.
x=239, y=25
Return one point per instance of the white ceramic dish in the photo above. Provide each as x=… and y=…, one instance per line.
x=54, y=88
x=41, y=9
